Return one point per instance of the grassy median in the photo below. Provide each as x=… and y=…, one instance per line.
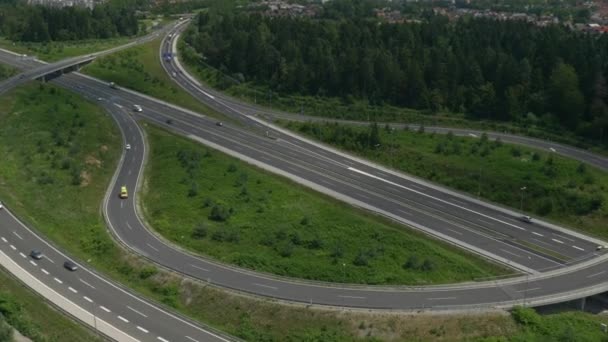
x=556, y=188
x=219, y=206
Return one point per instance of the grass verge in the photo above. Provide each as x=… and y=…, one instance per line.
x=23, y=310
x=69, y=215
x=138, y=68
x=556, y=188
x=216, y=205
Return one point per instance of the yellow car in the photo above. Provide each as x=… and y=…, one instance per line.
x=123, y=192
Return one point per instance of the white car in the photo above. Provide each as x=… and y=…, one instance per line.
x=137, y=108
x=1, y=206
x=526, y=219
x=128, y=146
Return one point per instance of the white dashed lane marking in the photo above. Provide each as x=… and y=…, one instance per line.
x=58, y=280
x=352, y=297
x=191, y=339
x=123, y=319
x=13, y=248
x=149, y=245
x=442, y=298
x=72, y=289
x=87, y=284
x=33, y=263
x=199, y=268
x=266, y=286
x=576, y=247
x=87, y=299
x=142, y=329
x=23, y=255
x=17, y=235
x=558, y=241
x=104, y=308
x=162, y=339
x=3, y=239
x=563, y=237
x=44, y=271
x=137, y=312
x=537, y=234
x=596, y=274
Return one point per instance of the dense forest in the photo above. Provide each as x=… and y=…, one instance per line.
x=21, y=22
x=497, y=70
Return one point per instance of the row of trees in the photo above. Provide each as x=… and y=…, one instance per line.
x=488, y=69
x=22, y=22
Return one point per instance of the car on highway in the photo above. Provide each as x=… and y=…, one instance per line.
x=70, y=265
x=100, y=99
x=128, y=146
x=1, y=206
x=36, y=254
x=219, y=123
x=601, y=248
x=526, y=219
x=174, y=74
x=123, y=192
x=137, y=108
x=113, y=85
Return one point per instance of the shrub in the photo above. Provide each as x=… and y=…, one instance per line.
x=412, y=263
x=286, y=250
x=232, y=168
x=305, y=221
x=315, y=243
x=581, y=168
x=515, y=151
x=200, y=231
x=535, y=156
x=193, y=191
x=147, y=271
x=219, y=213
x=428, y=265
x=526, y=316
x=361, y=260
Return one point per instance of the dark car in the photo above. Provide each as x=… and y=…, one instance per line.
x=36, y=254
x=219, y=123
x=70, y=266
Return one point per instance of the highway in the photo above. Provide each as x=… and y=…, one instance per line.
x=488, y=230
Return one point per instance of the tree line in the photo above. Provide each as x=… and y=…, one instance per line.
x=21, y=22
x=497, y=70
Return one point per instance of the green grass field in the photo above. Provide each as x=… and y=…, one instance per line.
x=557, y=188
x=218, y=206
x=138, y=68
x=26, y=311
